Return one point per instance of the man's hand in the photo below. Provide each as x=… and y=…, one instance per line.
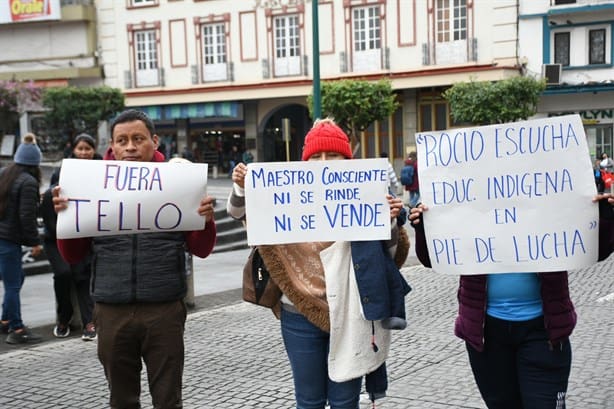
x=206, y=208
x=59, y=203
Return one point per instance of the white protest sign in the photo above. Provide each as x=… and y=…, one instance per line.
x=512, y=197
x=123, y=197
x=338, y=200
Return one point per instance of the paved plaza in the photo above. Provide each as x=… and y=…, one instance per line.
x=235, y=357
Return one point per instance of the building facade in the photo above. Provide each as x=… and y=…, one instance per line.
x=571, y=42
x=218, y=73
x=51, y=43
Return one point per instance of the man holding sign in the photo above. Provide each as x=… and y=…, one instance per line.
x=515, y=313
x=138, y=284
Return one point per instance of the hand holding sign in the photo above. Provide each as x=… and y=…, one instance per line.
x=524, y=187
x=127, y=197
x=309, y=201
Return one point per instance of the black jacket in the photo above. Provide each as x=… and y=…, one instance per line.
x=19, y=222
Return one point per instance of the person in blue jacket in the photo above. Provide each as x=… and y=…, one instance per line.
x=339, y=299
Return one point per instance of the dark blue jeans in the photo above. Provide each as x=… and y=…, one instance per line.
x=307, y=349
x=12, y=279
x=519, y=368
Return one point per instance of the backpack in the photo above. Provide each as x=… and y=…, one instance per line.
x=407, y=175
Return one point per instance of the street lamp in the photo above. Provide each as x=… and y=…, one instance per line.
x=317, y=98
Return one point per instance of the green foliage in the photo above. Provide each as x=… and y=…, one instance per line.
x=485, y=102
x=72, y=110
x=356, y=104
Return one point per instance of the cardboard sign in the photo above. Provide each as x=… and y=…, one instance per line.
x=123, y=197
x=512, y=197
x=293, y=202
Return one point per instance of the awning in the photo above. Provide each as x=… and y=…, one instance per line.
x=198, y=110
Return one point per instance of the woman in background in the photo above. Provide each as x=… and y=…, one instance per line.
x=67, y=277
x=19, y=199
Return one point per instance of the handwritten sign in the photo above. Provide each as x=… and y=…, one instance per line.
x=512, y=197
x=122, y=197
x=291, y=202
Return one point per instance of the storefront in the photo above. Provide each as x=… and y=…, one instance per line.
x=594, y=104
x=202, y=132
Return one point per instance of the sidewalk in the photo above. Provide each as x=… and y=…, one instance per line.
x=235, y=357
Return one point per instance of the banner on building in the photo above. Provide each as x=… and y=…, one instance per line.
x=514, y=197
x=21, y=11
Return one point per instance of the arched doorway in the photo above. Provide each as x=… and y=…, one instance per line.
x=274, y=147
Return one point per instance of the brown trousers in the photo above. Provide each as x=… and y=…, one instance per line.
x=151, y=331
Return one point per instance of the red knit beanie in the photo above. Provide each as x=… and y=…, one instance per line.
x=325, y=136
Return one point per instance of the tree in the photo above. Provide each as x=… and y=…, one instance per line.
x=72, y=110
x=356, y=104
x=485, y=102
x=16, y=97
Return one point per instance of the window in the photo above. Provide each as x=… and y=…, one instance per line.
x=366, y=29
x=596, y=46
x=215, y=67
x=287, y=45
x=433, y=116
x=146, y=58
x=451, y=33
x=451, y=20
x=434, y=111
x=561, y=48
x=385, y=139
x=559, y=2
x=140, y=3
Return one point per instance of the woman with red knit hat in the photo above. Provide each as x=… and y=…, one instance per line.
x=335, y=327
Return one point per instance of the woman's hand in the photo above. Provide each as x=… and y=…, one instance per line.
x=415, y=214
x=36, y=250
x=396, y=205
x=238, y=174
x=604, y=196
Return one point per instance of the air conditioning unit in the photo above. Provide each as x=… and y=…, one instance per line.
x=552, y=73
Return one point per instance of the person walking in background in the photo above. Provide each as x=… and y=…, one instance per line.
x=410, y=182
x=598, y=176
x=234, y=158
x=138, y=284
x=606, y=163
x=516, y=326
x=68, y=276
x=332, y=340
x=19, y=199
x=393, y=187
x=187, y=153
x=247, y=157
